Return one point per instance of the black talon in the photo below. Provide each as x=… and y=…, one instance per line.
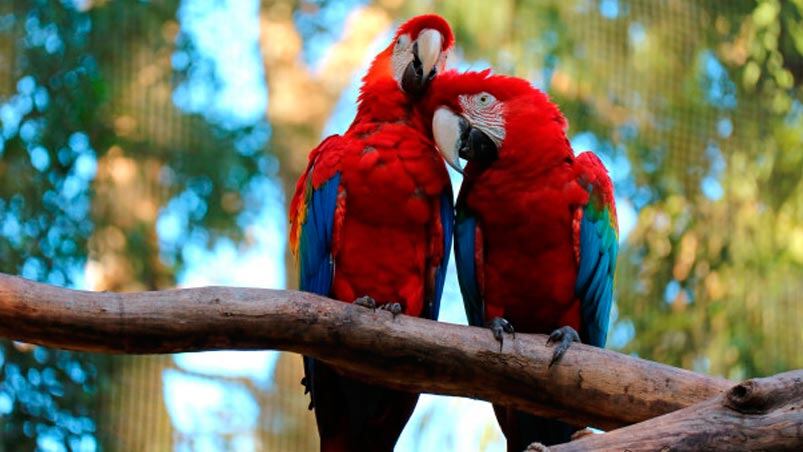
x=499, y=326
x=563, y=336
x=366, y=302
x=394, y=308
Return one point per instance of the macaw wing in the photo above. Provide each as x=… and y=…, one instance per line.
x=312, y=232
x=468, y=246
x=312, y=217
x=597, y=245
x=446, y=228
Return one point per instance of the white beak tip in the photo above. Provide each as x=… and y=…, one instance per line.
x=446, y=131
x=430, y=44
x=456, y=165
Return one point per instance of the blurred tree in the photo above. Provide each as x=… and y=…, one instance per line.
x=304, y=88
x=697, y=107
x=93, y=149
x=46, y=396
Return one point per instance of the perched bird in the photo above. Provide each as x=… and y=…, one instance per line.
x=371, y=221
x=536, y=233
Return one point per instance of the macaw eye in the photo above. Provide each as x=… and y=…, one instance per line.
x=402, y=41
x=484, y=99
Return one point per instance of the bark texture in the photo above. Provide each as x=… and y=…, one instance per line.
x=757, y=414
x=589, y=387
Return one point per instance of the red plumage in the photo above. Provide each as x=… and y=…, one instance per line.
x=525, y=202
x=392, y=179
x=387, y=238
x=529, y=205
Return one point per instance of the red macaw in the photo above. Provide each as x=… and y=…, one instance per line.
x=372, y=217
x=536, y=234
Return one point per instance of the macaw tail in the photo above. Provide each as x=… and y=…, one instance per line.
x=522, y=429
x=353, y=415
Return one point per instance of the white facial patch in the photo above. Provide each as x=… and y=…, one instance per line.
x=402, y=56
x=486, y=113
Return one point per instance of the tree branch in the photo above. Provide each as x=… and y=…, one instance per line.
x=589, y=387
x=758, y=414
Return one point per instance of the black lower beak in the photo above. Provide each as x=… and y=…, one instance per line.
x=414, y=81
x=475, y=145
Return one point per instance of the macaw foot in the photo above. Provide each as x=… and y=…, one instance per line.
x=394, y=308
x=563, y=336
x=370, y=303
x=536, y=447
x=499, y=326
x=581, y=434
x=366, y=302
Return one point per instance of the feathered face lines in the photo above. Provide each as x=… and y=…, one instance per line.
x=419, y=51
x=485, y=112
x=471, y=122
x=458, y=137
x=498, y=107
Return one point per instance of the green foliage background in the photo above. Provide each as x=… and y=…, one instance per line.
x=698, y=103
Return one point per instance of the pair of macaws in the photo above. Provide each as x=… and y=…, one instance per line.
x=372, y=222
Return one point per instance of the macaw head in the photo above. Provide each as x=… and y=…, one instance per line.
x=490, y=119
x=416, y=55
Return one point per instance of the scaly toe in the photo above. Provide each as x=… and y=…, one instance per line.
x=563, y=337
x=394, y=308
x=366, y=302
x=499, y=326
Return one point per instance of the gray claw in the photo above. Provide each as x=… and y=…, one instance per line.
x=394, y=308
x=563, y=336
x=366, y=302
x=499, y=326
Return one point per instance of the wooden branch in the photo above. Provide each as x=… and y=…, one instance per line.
x=589, y=387
x=758, y=414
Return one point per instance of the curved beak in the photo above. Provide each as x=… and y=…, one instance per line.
x=426, y=55
x=447, y=129
x=457, y=138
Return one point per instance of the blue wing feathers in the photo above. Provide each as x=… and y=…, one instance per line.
x=316, y=265
x=447, y=223
x=316, y=262
x=598, y=278
x=316, y=269
x=594, y=286
x=465, y=237
x=590, y=251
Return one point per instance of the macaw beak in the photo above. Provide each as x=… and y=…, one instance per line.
x=426, y=54
x=457, y=138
